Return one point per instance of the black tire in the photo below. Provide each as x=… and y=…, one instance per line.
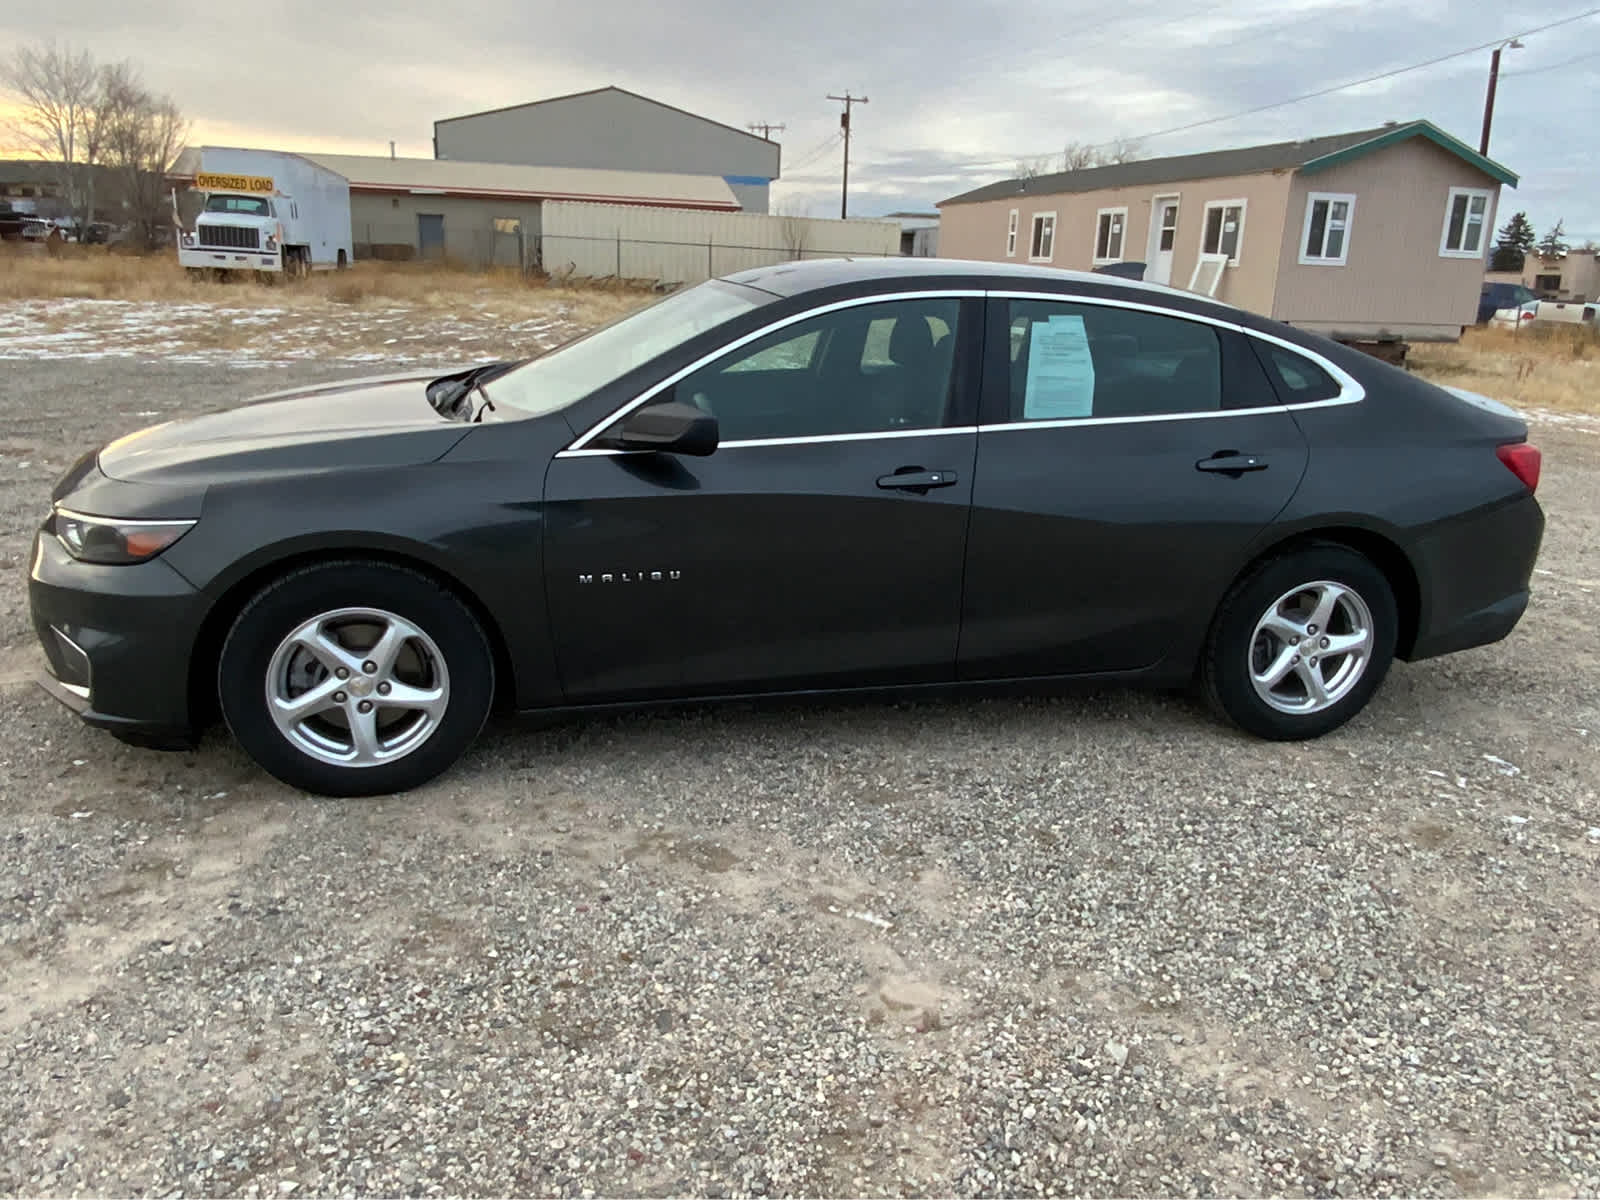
x=246, y=670
x=1233, y=645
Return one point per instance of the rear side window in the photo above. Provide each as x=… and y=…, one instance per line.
x=1089, y=361
x=1299, y=380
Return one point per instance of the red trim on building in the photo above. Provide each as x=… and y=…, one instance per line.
x=422, y=190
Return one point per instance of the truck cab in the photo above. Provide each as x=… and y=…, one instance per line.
x=238, y=231
x=294, y=220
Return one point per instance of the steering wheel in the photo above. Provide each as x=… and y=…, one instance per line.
x=703, y=402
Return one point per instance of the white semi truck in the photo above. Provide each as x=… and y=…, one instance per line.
x=262, y=210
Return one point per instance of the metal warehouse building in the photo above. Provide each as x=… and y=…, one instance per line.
x=482, y=214
x=613, y=129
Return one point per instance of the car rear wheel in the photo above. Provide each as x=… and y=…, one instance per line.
x=1301, y=643
x=355, y=679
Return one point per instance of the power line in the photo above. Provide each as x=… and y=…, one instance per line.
x=815, y=153
x=1552, y=67
x=765, y=128
x=1340, y=87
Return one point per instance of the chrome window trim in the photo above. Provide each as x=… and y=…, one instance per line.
x=595, y=430
x=1351, y=392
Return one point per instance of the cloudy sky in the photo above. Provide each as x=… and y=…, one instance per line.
x=959, y=89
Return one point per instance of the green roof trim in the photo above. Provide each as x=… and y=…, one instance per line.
x=1401, y=133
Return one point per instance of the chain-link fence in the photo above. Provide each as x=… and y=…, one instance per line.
x=511, y=243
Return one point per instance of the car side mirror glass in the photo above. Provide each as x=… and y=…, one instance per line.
x=673, y=428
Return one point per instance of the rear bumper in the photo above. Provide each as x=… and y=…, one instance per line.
x=1480, y=628
x=1475, y=577
x=118, y=642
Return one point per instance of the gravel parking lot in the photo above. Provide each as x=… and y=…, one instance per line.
x=1084, y=944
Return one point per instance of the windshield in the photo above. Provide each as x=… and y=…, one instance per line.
x=252, y=206
x=570, y=372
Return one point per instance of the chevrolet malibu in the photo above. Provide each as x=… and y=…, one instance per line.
x=895, y=476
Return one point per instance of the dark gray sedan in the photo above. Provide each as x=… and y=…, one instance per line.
x=898, y=475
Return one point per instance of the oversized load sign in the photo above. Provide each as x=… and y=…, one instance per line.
x=233, y=183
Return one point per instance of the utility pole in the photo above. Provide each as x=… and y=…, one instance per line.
x=1488, y=100
x=764, y=129
x=844, y=123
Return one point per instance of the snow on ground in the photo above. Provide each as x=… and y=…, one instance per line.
x=208, y=333
x=181, y=332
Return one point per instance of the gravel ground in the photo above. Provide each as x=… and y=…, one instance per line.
x=1092, y=944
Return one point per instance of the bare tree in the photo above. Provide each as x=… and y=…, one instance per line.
x=60, y=108
x=1077, y=156
x=1031, y=168
x=1121, y=150
x=143, y=133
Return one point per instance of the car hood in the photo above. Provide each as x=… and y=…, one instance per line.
x=348, y=425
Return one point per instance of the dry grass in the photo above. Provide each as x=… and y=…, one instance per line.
x=92, y=273
x=1556, y=367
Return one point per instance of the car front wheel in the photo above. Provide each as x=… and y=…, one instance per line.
x=355, y=679
x=1301, y=643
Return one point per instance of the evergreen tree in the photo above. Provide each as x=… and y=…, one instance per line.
x=1516, y=241
x=1554, y=244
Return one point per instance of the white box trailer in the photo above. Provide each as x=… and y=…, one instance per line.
x=264, y=210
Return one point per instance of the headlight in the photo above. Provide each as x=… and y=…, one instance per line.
x=110, y=540
x=186, y=238
x=272, y=241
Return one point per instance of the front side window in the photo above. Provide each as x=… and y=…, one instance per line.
x=1042, y=246
x=1109, y=228
x=1082, y=361
x=1224, y=229
x=1011, y=235
x=1325, y=239
x=1466, y=217
x=868, y=368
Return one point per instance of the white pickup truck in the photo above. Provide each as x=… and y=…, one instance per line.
x=262, y=210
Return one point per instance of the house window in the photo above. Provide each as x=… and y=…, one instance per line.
x=1011, y=235
x=1109, y=227
x=1325, y=240
x=1042, y=247
x=1465, y=218
x=1547, y=283
x=1169, y=226
x=1224, y=229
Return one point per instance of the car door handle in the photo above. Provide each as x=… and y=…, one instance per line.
x=1232, y=462
x=915, y=479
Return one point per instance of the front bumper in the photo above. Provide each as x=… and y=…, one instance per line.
x=229, y=259
x=118, y=641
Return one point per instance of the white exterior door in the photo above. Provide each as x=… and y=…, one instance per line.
x=1163, y=237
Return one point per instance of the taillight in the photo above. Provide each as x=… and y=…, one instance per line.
x=1523, y=461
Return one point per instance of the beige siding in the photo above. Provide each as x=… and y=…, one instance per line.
x=1395, y=279
x=678, y=245
x=978, y=231
x=1577, y=275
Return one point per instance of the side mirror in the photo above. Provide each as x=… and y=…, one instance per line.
x=673, y=427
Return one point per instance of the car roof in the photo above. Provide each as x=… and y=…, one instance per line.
x=797, y=278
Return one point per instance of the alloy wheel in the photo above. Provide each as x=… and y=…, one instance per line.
x=356, y=687
x=1311, y=647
